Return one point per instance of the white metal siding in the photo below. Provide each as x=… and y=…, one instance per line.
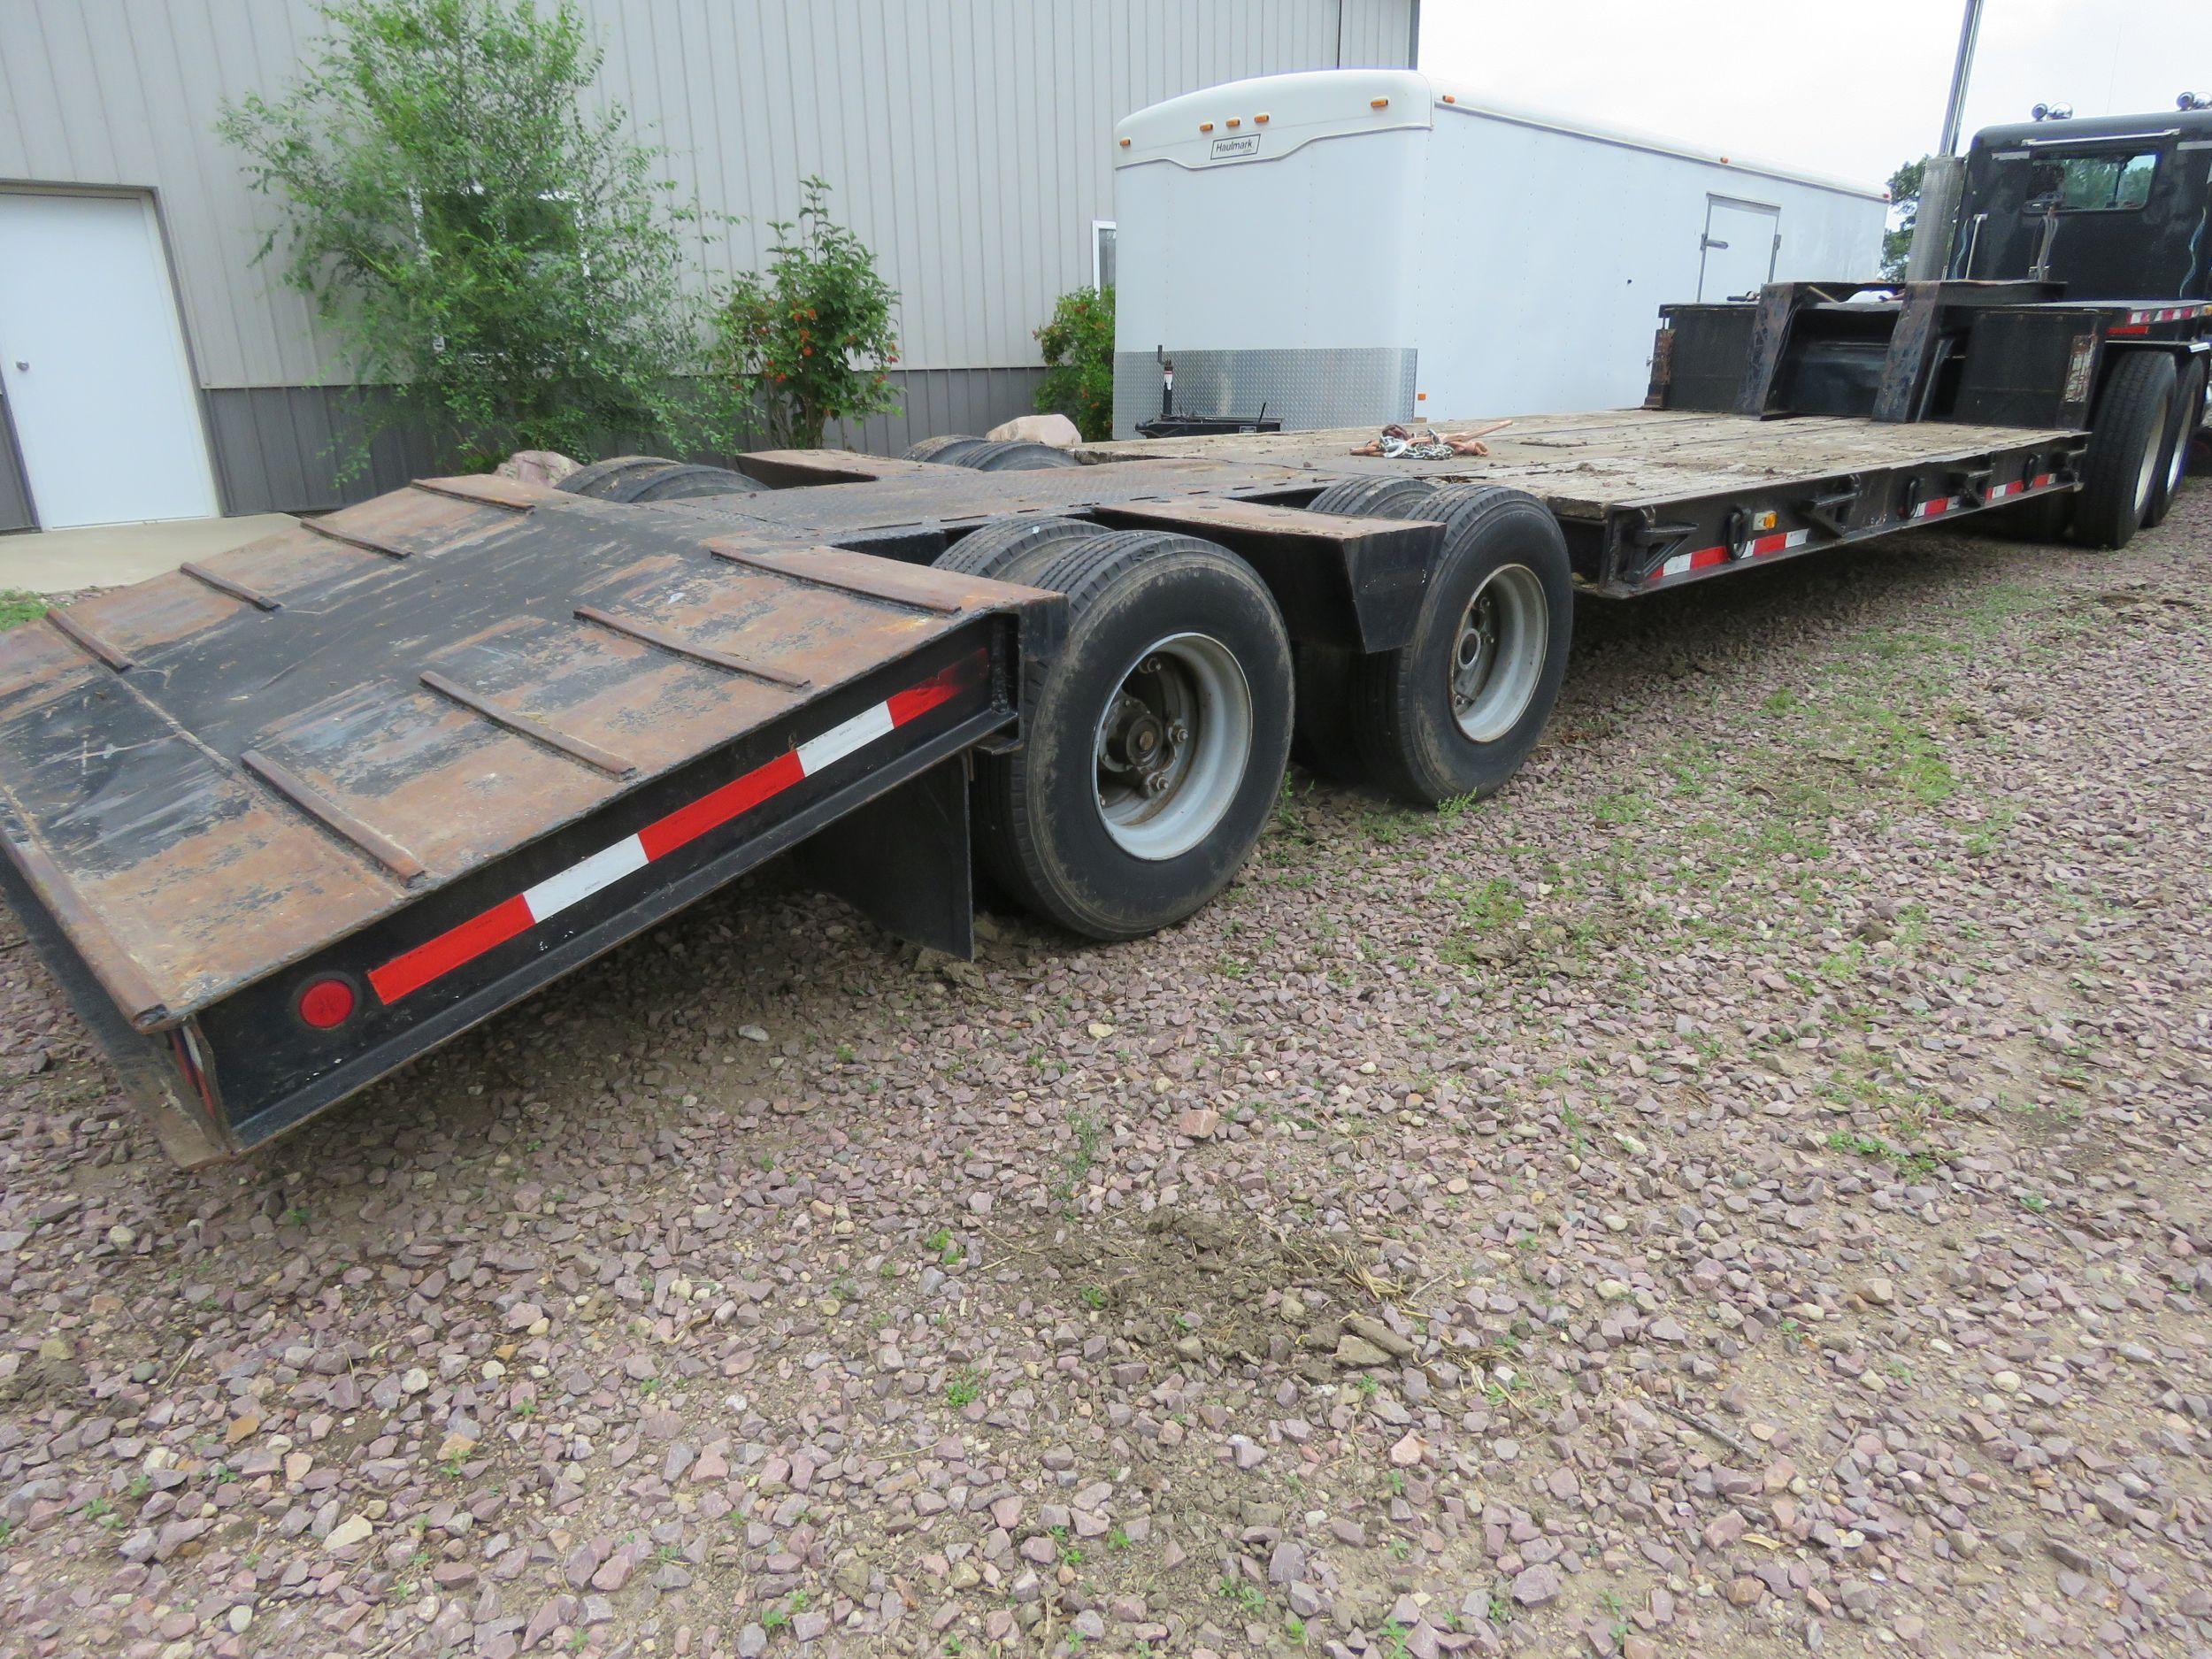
x=968, y=140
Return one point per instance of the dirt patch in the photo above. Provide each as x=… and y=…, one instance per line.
x=42, y=1379
x=1196, y=1284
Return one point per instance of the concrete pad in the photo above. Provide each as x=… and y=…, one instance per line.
x=110, y=555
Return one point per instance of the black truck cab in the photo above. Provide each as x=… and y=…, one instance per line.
x=2116, y=207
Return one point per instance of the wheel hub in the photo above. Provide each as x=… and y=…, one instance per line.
x=1476, y=650
x=1170, y=746
x=1498, y=654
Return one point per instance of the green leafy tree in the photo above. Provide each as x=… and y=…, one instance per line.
x=809, y=340
x=502, y=260
x=1904, y=217
x=1078, y=350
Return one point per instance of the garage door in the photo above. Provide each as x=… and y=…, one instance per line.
x=92, y=360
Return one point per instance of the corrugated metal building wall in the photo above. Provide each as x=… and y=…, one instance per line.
x=967, y=142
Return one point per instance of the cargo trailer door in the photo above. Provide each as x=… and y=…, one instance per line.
x=1739, y=247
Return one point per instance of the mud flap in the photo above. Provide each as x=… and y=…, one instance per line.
x=903, y=861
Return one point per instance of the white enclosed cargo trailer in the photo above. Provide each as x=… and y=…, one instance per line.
x=1350, y=247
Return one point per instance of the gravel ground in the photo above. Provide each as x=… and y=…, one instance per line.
x=1742, y=1191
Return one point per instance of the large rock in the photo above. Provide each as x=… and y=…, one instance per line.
x=1057, y=430
x=536, y=466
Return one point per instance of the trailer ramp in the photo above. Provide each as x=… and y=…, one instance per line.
x=287, y=817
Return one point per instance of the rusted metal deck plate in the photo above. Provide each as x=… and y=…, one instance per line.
x=202, y=786
x=931, y=495
x=1585, y=466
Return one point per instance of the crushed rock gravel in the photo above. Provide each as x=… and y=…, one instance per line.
x=1743, y=1191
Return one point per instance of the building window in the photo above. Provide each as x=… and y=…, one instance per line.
x=2092, y=184
x=1101, y=253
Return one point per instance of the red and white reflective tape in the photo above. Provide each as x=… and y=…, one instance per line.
x=434, y=958
x=2041, y=481
x=1683, y=564
x=2168, y=314
x=1934, y=507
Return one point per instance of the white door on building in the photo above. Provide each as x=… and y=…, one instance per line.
x=1742, y=241
x=92, y=358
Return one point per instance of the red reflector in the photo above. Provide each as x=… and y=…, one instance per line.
x=327, y=1004
x=2129, y=328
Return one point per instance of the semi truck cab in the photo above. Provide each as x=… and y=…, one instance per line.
x=2117, y=207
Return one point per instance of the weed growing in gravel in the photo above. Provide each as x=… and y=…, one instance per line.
x=779, y=1616
x=1079, y=1160
x=964, y=1387
x=1620, y=808
x=1450, y=809
x=1491, y=904
x=1910, y=1164
x=1987, y=836
x=18, y=607
x=1249, y=1598
x=941, y=1245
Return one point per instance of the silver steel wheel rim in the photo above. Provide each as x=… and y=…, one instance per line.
x=2179, y=466
x=1498, y=653
x=2146, y=474
x=1172, y=746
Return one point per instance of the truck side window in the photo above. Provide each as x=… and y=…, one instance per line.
x=2090, y=184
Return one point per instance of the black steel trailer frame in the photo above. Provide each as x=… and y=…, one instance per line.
x=285, y=819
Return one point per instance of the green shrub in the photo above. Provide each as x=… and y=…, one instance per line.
x=475, y=236
x=807, y=341
x=1079, y=348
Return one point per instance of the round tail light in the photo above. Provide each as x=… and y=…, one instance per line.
x=327, y=1003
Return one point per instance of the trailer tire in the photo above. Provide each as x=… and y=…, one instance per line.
x=2127, y=444
x=991, y=455
x=992, y=550
x=942, y=448
x=690, y=482
x=1454, y=711
x=596, y=479
x=2173, y=464
x=1180, y=633
x=1325, y=740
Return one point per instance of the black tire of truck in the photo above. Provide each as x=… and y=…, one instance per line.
x=2173, y=462
x=1323, y=737
x=1453, y=713
x=2127, y=440
x=1176, y=660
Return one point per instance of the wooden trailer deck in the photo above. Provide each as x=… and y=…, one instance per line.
x=1584, y=466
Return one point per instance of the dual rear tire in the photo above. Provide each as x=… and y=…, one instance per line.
x=1156, y=743
x=2137, y=450
x=1454, y=713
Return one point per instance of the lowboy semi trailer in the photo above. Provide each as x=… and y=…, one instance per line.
x=290, y=816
